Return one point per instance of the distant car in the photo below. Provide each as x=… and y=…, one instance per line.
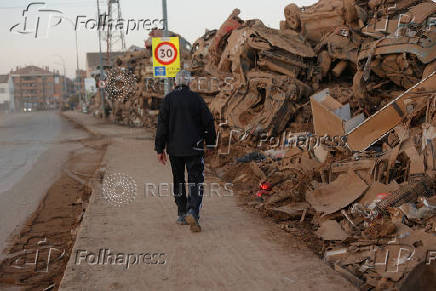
x=27, y=107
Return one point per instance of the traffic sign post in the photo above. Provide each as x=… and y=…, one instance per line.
x=166, y=57
x=101, y=84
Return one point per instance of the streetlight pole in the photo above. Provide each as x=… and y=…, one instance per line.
x=165, y=17
x=77, y=59
x=65, y=76
x=78, y=75
x=101, y=59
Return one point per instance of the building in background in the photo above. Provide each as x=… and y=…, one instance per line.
x=11, y=95
x=93, y=62
x=36, y=88
x=59, y=91
x=135, y=48
x=4, y=92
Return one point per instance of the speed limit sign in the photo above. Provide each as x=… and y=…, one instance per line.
x=166, y=56
x=102, y=84
x=166, y=53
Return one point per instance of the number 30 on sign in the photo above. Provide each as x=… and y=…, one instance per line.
x=166, y=57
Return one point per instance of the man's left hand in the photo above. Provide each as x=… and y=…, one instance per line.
x=162, y=158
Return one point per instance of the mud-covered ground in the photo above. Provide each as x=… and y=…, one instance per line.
x=38, y=253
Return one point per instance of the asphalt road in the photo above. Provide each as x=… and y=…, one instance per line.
x=33, y=148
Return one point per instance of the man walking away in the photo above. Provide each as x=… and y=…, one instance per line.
x=184, y=125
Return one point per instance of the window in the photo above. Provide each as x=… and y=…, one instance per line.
x=2, y=90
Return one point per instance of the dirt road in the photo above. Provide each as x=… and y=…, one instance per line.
x=235, y=251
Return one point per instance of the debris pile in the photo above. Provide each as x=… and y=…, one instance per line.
x=363, y=206
x=328, y=126
x=260, y=73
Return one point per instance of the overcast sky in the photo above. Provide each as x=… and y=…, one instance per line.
x=189, y=18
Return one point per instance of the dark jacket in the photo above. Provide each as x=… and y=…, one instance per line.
x=184, y=123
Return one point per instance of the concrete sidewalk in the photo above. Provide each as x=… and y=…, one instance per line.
x=235, y=251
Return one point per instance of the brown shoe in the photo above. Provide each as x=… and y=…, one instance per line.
x=193, y=222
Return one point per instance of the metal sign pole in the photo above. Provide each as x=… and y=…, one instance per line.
x=167, y=85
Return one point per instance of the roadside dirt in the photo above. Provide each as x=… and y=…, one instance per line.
x=38, y=254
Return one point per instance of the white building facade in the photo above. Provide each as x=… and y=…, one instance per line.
x=5, y=92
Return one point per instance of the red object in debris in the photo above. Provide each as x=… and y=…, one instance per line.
x=266, y=186
x=233, y=22
x=382, y=196
x=261, y=193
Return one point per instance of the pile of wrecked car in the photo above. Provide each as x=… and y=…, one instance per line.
x=333, y=116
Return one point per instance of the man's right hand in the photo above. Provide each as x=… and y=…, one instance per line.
x=162, y=158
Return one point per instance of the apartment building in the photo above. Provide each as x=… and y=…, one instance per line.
x=36, y=88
